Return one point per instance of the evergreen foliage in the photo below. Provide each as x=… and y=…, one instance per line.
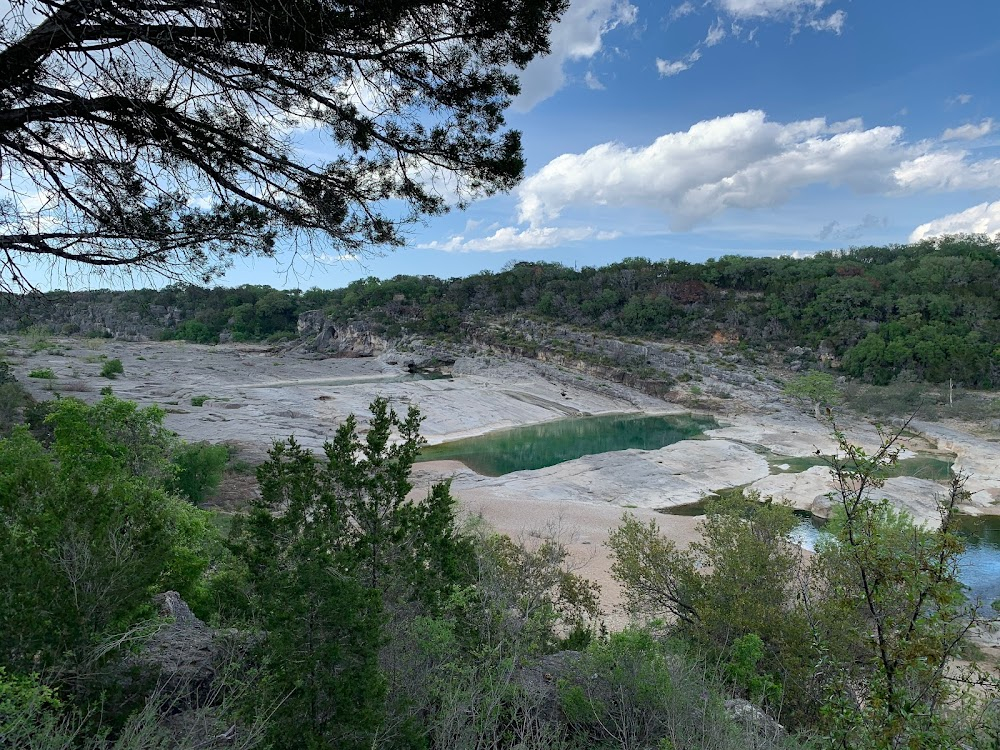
x=163, y=133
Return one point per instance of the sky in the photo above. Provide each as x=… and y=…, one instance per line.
x=710, y=127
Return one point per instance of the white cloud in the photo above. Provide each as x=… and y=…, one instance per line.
x=327, y=259
x=771, y=9
x=798, y=13
x=715, y=34
x=507, y=239
x=667, y=68
x=684, y=9
x=947, y=170
x=968, y=132
x=981, y=219
x=577, y=36
x=833, y=23
x=961, y=99
x=741, y=160
x=592, y=81
x=745, y=161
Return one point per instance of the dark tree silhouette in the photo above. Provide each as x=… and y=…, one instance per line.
x=160, y=135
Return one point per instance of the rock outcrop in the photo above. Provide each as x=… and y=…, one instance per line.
x=355, y=339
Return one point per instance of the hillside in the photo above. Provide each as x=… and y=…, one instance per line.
x=926, y=312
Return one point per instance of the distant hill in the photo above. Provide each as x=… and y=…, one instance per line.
x=929, y=311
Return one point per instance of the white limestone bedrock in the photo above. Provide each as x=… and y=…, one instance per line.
x=810, y=490
x=678, y=474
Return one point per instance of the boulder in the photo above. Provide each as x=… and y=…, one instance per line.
x=754, y=722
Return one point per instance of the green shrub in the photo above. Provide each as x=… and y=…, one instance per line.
x=199, y=400
x=632, y=691
x=43, y=373
x=199, y=469
x=194, y=331
x=13, y=398
x=106, y=391
x=112, y=369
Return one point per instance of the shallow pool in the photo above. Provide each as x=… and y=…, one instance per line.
x=549, y=443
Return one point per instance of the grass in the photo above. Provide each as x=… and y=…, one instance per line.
x=43, y=373
x=199, y=400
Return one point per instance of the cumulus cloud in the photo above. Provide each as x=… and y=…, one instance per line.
x=507, y=239
x=739, y=161
x=968, y=132
x=947, y=170
x=981, y=219
x=578, y=36
x=746, y=161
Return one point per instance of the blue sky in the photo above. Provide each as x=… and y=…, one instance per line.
x=702, y=128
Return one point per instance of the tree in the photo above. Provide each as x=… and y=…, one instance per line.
x=160, y=136
x=818, y=388
x=890, y=590
x=336, y=556
x=88, y=534
x=864, y=640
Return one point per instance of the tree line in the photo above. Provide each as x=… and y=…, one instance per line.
x=924, y=312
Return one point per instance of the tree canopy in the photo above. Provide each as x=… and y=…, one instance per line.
x=161, y=135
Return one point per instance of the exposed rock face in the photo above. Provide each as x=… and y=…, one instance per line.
x=98, y=313
x=354, y=339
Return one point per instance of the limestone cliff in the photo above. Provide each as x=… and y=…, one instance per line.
x=319, y=333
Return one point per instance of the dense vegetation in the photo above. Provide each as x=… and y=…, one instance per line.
x=925, y=312
x=352, y=616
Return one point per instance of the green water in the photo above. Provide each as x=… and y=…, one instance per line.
x=923, y=467
x=550, y=443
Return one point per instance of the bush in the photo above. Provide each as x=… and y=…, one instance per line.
x=44, y=373
x=112, y=369
x=6, y=376
x=13, y=398
x=199, y=469
x=633, y=692
x=199, y=400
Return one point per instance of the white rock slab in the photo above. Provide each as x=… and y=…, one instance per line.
x=809, y=491
x=678, y=474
